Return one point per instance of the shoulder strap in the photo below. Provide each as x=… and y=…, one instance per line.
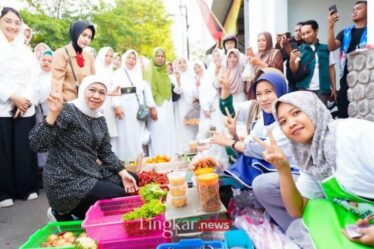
x=252, y=115
x=132, y=84
x=72, y=69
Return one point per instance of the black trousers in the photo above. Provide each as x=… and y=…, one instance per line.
x=342, y=99
x=101, y=190
x=18, y=163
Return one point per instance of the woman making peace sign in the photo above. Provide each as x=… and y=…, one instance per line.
x=336, y=184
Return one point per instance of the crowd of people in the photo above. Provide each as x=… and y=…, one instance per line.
x=80, y=117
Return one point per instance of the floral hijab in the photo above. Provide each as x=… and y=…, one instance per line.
x=319, y=157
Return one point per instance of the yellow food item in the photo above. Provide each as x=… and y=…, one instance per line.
x=178, y=191
x=179, y=202
x=158, y=159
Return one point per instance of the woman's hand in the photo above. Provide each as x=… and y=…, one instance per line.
x=220, y=139
x=119, y=113
x=367, y=232
x=129, y=182
x=115, y=92
x=153, y=111
x=257, y=62
x=273, y=153
x=231, y=122
x=224, y=79
x=55, y=102
x=22, y=103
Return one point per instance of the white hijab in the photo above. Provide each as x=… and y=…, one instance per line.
x=80, y=102
x=15, y=51
x=100, y=67
x=136, y=72
x=207, y=92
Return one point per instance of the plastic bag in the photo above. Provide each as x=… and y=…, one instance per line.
x=248, y=73
x=217, y=152
x=265, y=235
x=193, y=116
x=298, y=232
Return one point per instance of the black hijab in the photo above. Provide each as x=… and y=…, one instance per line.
x=76, y=30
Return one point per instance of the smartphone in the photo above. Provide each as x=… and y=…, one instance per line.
x=287, y=35
x=294, y=45
x=333, y=10
x=128, y=90
x=250, y=52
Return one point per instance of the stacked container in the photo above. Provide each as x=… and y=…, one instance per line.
x=178, y=188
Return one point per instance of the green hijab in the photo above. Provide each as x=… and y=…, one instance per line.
x=158, y=77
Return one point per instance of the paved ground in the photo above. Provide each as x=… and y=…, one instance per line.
x=17, y=223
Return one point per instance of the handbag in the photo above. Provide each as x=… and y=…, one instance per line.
x=303, y=70
x=72, y=70
x=174, y=96
x=143, y=112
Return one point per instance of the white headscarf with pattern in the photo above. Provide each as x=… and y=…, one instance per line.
x=319, y=157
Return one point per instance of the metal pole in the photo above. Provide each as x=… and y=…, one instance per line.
x=187, y=27
x=246, y=23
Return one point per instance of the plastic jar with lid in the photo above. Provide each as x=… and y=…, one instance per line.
x=177, y=178
x=208, y=189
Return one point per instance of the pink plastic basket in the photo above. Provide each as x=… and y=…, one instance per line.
x=104, y=220
x=150, y=242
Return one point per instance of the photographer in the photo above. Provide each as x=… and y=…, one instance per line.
x=316, y=64
x=286, y=43
x=347, y=40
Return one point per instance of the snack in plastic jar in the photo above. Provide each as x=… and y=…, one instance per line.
x=208, y=189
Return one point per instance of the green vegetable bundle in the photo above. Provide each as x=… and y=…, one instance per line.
x=151, y=192
x=147, y=211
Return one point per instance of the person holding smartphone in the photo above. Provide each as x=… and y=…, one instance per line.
x=320, y=62
x=347, y=40
x=129, y=142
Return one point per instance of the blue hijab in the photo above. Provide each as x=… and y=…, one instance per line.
x=280, y=88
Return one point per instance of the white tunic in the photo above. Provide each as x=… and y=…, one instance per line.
x=18, y=75
x=107, y=108
x=128, y=145
x=163, y=140
x=209, y=102
x=187, y=89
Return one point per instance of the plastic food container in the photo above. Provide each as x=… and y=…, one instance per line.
x=177, y=178
x=178, y=191
x=208, y=189
x=178, y=202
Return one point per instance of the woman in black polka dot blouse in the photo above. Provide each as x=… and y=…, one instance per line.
x=76, y=136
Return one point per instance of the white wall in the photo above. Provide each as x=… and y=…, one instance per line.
x=266, y=15
x=302, y=10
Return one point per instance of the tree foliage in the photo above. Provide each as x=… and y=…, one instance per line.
x=137, y=24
